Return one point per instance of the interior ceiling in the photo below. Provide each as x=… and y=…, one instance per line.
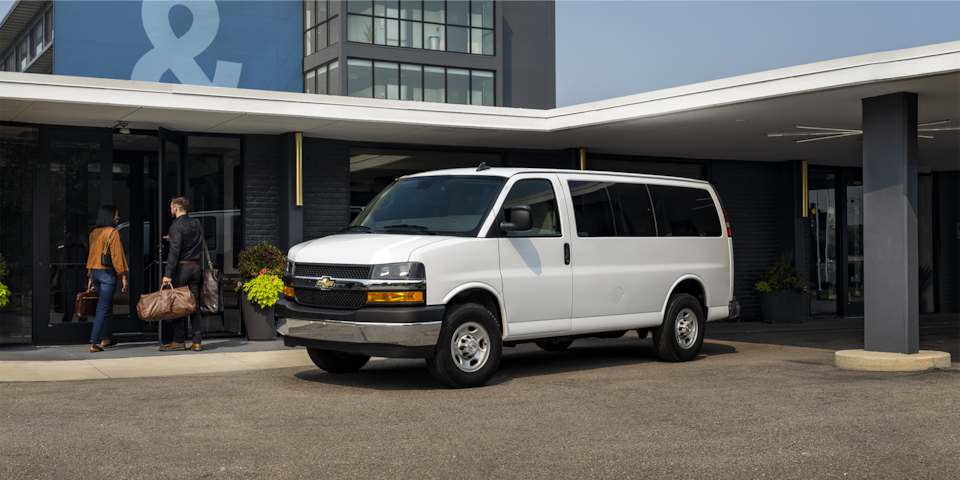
x=703, y=133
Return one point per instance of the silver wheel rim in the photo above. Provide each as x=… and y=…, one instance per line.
x=686, y=328
x=470, y=347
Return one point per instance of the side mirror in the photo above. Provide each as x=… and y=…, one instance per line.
x=520, y=220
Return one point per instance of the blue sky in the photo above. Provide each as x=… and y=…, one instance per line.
x=608, y=49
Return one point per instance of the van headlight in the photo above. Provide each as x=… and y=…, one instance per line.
x=398, y=271
x=289, y=270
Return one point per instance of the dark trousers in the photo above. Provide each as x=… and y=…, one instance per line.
x=187, y=275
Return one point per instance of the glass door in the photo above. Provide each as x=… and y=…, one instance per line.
x=854, y=246
x=76, y=171
x=822, y=214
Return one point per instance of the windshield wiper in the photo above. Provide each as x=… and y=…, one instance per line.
x=412, y=227
x=359, y=227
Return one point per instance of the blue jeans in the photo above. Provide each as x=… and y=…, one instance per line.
x=105, y=283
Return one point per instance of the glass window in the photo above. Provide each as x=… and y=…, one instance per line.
x=481, y=88
x=321, y=37
x=310, y=82
x=333, y=78
x=309, y=42
x=458, y=12
x=458, y=86
x=457, y=39
x=321, y=10
x=359, y=29
x=38, y=38
x=333, y=26
x=538, y=194
x=411, y=34
x=411, y=82
x=20, y=151
x=482, y=42
x=360, y=78
x=49, y=21
x=23, y=55
x=364, y=7
x=386, y=80
x=481, y=14
x=684, y=212
x=322, y=80
x=434, y=85
x=433, y=36
x=592, y=211
x=632, y=212
x=387, y=32
x=309, y=14
x=386, y=8
x=411, y=10
x=433, y=11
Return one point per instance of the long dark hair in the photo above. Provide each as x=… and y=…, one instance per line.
x=105, y=216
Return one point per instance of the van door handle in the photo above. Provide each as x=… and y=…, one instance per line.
x=566, y=254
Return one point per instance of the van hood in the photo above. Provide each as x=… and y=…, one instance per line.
x=361, y=248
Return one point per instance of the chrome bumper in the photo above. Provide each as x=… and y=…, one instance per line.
x=734, y=309
x=401, y=334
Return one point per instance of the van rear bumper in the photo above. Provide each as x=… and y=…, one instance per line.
x=399, y=332
x=734, y=309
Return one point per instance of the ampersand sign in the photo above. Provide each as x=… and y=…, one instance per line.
x=177, y=54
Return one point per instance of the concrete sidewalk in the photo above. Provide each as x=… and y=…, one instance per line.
x=138, y=360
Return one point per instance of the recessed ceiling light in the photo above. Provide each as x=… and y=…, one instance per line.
x=741, y=119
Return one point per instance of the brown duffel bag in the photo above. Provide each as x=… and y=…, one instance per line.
x=166, y=304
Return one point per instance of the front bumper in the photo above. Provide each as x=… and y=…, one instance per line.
x=402, y=332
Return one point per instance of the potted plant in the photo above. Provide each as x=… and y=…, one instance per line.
x=783, y=296
x=4, y=291
x=261, y=284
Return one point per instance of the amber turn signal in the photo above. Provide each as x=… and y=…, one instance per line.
x=392, y=297
x=287, y=291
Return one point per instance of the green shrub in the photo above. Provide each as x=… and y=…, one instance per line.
x=4, y=291
x=3, y=268
x=264, y=290
x=782, y=276
x=264, y=256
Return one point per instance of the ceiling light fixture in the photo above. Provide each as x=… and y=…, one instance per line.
x=827, y=133
x=123, y=127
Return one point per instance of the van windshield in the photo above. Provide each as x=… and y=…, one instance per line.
x=443, y=205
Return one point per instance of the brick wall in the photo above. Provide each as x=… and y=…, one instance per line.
x=326, y=184
x=948, y=260
x=750, y=197
x=262, y=189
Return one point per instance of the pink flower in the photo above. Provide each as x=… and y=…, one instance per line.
x=272, y=280
x=263, y=272
x=239, y=284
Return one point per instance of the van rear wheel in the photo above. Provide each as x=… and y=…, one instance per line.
x=680, y=336
x=337, y=362
x=554, y=345
x=469, y=347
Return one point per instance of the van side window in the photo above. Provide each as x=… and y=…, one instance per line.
x=541, y=198
x=685, y=212
x=593, y=213
x=632, y=212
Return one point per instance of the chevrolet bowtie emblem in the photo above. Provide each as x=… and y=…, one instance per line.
x=325, y=282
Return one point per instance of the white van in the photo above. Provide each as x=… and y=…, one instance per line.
x=453, y=265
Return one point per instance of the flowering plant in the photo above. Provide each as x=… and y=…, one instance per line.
x=253, y=262
x=264, y=290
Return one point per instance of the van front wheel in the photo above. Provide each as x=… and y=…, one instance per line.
x=680, y=336
x=337, y=362
x=469, y=347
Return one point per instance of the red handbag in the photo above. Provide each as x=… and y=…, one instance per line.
x=86, y=306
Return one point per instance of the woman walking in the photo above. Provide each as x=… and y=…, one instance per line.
x=104, y=265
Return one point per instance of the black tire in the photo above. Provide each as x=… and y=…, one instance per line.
x=680, y=336
x=337, y=362
x=469, y=347
x=554, y=345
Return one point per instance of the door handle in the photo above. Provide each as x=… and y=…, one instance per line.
x=566, y=254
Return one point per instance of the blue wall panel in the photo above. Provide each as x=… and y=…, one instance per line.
x=245, y=44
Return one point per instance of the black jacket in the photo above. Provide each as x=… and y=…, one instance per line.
x=185, y=243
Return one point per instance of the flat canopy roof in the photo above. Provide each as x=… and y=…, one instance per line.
x=722, y=119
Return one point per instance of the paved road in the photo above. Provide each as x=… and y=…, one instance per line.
x=752, y=406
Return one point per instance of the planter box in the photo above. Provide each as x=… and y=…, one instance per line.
x=260, y=322
x=784, y=306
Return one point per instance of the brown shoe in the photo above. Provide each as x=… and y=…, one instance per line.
x=173, y=346
x=196, y=347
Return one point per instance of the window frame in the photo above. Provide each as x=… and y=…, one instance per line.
x=502, y=213
x=446, y=82
x=446, y=25
x=315, y=27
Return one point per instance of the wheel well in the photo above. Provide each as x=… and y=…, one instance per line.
x=693, y=288
x=482, y=297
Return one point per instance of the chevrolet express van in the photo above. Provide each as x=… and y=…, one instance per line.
x=453, y=265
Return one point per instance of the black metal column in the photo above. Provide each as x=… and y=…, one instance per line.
x=891, y=298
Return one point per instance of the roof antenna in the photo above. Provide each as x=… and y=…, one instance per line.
x=483, y=166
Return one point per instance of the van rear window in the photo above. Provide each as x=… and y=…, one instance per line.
x=685, y=212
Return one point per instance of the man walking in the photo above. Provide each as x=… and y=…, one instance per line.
x=183, y=269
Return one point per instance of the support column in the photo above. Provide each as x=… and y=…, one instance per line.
x=291, y=215
x=891, y=299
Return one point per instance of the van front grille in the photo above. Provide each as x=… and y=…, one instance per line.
x=361, y=272
x=314, y=297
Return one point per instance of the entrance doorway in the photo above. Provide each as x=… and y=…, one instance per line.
x=836, y=265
